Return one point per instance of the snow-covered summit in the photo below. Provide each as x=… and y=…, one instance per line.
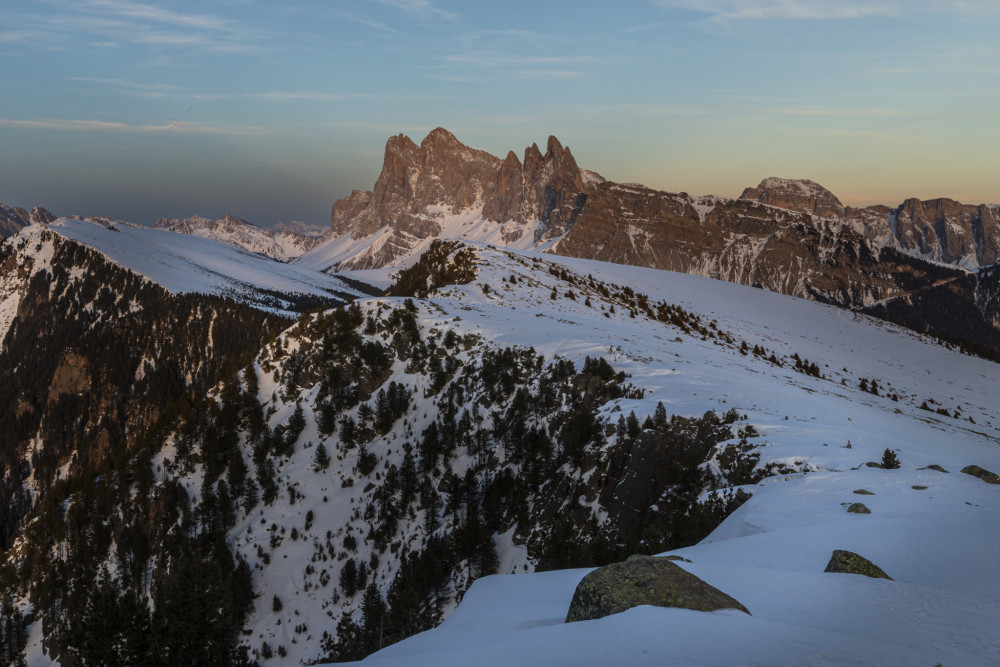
x=796, y=194
x=184, y=263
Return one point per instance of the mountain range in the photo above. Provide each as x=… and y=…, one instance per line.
x=927, y=264
x=210, y=456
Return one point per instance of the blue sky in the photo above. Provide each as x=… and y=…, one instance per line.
x=272, y=111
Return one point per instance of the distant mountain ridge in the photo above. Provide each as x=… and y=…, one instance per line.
x=15, y=218
x=786, y=235
x=283, y=242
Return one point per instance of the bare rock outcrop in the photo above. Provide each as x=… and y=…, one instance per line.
x=421, y=189
x=926, y=264
x=945, y=230
x=796, y=195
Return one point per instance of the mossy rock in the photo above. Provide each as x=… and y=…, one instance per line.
x=863, y=492
x=873, y=464
x=859, y=508
x=678, y=558
x=935, y=466
x=919, y=487
x=982, y=473
x=643, y=580
x=849, y=562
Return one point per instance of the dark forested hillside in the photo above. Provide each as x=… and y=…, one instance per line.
x=95, y=357
x=177, y=459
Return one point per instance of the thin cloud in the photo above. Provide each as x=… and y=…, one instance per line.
x=506, y=60
x=369, y=22
x=109, y=23
x=833, y=111
x=75, y=125
x=305, y=96
x=729, y=11
x=145, y=12
x=557, y=74
x=422, y=10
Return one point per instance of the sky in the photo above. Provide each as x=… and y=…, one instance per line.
x=272, y=111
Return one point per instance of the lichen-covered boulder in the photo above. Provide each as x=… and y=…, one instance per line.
x=859, y=508
x=849, y=562
x=982, y=473
x=643, y=580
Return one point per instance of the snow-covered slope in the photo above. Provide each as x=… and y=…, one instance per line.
x=183, y=263
x=938, y=541
x=468, y=225
x=935, y=533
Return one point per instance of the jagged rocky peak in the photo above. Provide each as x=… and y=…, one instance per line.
x=298, y=227
x=421, y=188
x=232, y=220
x=14, y=218
x=797, y=195
x=40, y=216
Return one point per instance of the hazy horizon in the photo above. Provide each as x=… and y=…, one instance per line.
x=271, y=113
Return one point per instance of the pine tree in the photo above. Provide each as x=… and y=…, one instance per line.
x=660, y=416
x=889, y=459
x=372, y=618
x=321, y=459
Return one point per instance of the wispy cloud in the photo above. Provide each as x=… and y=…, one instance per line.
x=494, y=59
x=131, y=87
x=112, y=23
x=549, y=74
x=421, y=10
x=838, y=112
x=155, y=14
x=178, y=126
x=514, y=53
x=368, y=22
x=729, y=11
x=306, y=96
x=166, y=90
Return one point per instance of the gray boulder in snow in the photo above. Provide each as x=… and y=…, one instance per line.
x=849, y=562
x=982, y=473
x=643, y=580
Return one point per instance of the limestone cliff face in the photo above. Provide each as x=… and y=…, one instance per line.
x=422, y=188
x=797, y=195
x=785, y=235
x=741, y=241
x=947, y=231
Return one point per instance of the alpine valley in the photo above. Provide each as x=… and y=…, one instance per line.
x=412, y=434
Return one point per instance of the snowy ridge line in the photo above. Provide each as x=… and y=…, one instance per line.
x=771, y=553
x=182, y=263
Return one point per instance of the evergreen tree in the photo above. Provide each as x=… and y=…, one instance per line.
x=889, y=459
x=660, y=416
x=372, y=618
x=321, y=459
